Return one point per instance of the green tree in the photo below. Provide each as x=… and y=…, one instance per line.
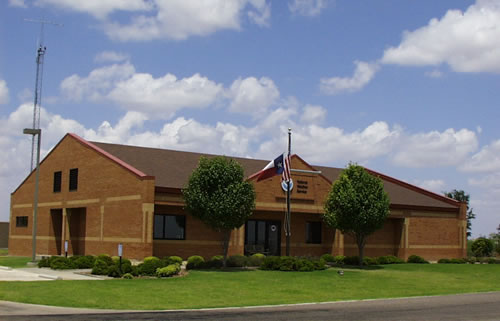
x=482, y=247
x=219, y=196
x=461, y=196
x=357, y=205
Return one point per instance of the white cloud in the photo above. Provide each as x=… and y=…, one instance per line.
x=100, y=9
x=434, y=185
x=252, y=96
x=435, y=148
x=308, y=8
x=486, y=160
x=17, y=3
x=313, y=114
x=122, y=85
x=490, y=181
x=111, y=56
x=4, y=92
x=363, y=74
x=179, y=19
x=467, y=41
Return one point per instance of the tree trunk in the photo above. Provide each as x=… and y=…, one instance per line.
x=225, y=244
x=360, y=240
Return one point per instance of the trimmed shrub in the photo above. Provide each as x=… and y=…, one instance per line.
x=61, y=263
x=304, y=265
x=328, y=258
x=369, y=261
x=195, y=262
x=100, y=267
x=444, y=261
x=287, y=263
x=389, y=259
x=169, y=270
x=458, y=261
x=351, y=260
x=84, y=262
x=416, y=259
x=149, y=266
x=135, y=270
x=217, y=261
x=174, y=260
x=126, y=265
x=237, y=260
x=114, y=271
x=471, y=260
x=128, y=276
x=271, y=263
x=492, y=260
x=106, y=258
x=482, y=247
x=44, y=262
x=256, y=259
x=339, y=259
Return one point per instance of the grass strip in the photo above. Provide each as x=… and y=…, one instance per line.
x=14, y=261
x=205, y=289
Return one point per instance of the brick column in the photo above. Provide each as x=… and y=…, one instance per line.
x=463, y=224
x=404, y=244
x=65, y=230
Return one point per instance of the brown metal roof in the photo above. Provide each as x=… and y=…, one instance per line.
x=172, y=169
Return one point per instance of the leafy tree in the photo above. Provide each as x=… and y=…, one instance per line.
x=357, y=205
x=219, y=196
x=482, y=247
x=461, y=196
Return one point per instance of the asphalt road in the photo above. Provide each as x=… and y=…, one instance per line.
x=480, y=307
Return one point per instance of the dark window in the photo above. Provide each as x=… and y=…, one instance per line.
x=170, y=227
x=313, y=232
x=57, y=181
x=73, y=179
x=21, y=221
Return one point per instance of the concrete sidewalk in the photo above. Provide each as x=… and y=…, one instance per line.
x=45, y=274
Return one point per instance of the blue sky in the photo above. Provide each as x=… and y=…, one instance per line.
x=406, y=88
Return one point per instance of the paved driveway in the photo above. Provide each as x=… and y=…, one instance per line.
x=44, y=274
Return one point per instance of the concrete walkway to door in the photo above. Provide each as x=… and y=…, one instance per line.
x=45, y=274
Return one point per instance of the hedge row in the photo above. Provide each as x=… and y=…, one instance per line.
x=110, y=266
x=198, y=262
x=354, y=260
x=291, y=263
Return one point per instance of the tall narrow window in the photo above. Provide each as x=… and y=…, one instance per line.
x=313, y=232
x=57, y=181
x=73, y=179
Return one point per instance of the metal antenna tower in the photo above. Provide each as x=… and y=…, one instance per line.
x=40, y=53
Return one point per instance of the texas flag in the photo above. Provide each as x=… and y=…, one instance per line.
x=279, y=166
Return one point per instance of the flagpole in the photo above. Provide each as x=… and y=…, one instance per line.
x=288, y=216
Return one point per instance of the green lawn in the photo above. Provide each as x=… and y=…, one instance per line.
x=14, y=261
x=4, y=252
x=202, y=289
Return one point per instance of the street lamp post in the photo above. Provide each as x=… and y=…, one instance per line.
x=33, y=132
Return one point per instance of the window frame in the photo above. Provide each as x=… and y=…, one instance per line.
x=312, y=238
x=73, y=178
x=22, y=221
x=57, y=179
x=164, y=231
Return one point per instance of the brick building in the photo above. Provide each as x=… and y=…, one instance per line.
x=97, y=195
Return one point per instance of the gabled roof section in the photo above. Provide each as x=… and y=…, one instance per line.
x=115, y=159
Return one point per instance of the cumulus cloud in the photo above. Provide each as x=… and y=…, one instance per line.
x=162, y=96
x=313, y=114
x=363, y=74
x=98, y=8
x=4, y=92
x=434, y=74
x=434, y=185
x=486, y=160
x=111, y=56
x=252, y=96
x=179, y=19
x=309, y=8
x=434, y=149
x=467, y=41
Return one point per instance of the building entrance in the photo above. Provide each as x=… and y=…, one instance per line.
x=263, y=237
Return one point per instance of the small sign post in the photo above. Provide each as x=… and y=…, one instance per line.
x=120, y=252
x=66, y=248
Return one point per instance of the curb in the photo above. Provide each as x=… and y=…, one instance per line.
x=50, y=277
x=7, y=268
